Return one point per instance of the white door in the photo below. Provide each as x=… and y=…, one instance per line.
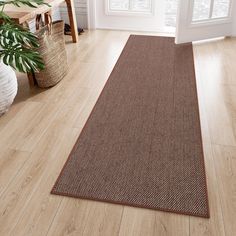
x=140, y=15
x=203, y=19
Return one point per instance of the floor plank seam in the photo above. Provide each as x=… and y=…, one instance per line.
x=50, y=225
x=17, y=173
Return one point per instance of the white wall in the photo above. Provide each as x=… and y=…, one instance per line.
x=234, y=27
x=80, y=10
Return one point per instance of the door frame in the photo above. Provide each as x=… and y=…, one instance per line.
x=91, y=12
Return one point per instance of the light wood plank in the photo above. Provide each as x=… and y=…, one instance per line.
x=11, y=114
x=138, y=222
x=37, y=217
x=218, y=93
x=213, y=226
x=11, y=132
x=88, y=218
x=11, y=161
x=19, y=192
x=225, y=163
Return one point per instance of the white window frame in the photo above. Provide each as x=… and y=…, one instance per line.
x=108, y=11
x=210, y=20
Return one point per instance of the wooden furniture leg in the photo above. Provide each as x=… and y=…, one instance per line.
x=30, y=76
x=72, y=18
x=31, y=79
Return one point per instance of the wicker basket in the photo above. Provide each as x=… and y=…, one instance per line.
x=52, y=49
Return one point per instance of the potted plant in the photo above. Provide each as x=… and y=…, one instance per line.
x=17, y=51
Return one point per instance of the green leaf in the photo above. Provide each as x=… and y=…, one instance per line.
x=18, y=3
x=16, y=34
x=17, y=44
x=5, y=17
x=22, y=59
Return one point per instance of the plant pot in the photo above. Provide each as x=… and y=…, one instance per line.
x=8, y=87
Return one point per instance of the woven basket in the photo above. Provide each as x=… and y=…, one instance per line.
x=52, y=50
x=8, y=87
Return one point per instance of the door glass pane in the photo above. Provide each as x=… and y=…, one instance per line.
x=221, y=8
x=201, y=9
x=141, y=5
x=119, y=5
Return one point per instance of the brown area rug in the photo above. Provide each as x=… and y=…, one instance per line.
x=142, y=145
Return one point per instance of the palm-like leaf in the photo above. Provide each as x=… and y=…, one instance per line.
x=4, y=17
x=18, y=3
x=11, y=33
x=17, y=44
x=21, y=59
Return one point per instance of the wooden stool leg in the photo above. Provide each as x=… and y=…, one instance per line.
x=72, y=18
x=31, y=79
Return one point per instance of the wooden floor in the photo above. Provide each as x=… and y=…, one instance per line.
x=38, y=133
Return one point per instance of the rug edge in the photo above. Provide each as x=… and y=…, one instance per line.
x=121, y=203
